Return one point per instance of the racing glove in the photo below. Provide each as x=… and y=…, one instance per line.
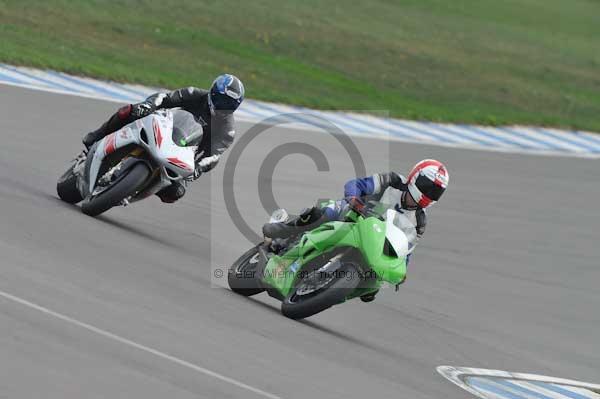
x=356, y=204
x=142, y=109
x=148, y=106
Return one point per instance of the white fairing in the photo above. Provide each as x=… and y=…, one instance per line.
x=168, y=151
x=174, y=162
x=395, y=235
x=114, y=140
x=392, y=197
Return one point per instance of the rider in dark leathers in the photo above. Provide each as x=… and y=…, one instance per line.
x=213, y=109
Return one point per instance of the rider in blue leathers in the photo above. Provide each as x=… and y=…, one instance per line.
x=356, y=193
x=424, y=186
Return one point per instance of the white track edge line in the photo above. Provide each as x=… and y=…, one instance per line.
x=136, y=345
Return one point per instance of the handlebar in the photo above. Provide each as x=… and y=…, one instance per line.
x=366, y=211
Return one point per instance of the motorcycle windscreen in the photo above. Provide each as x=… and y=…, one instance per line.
x=186, y=131
x=403, y=223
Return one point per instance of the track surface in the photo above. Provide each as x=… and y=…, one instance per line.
x=507, y=277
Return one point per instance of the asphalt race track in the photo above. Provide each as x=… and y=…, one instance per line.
x=506, y=278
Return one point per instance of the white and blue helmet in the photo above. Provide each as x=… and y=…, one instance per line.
x=226, y=93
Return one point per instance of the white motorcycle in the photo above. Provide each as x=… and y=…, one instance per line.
x=133, y=163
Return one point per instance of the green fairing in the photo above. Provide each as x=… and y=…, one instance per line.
x=372, y=236
x=366, y=234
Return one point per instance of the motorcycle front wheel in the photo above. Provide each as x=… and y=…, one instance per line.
x=318, y=291
x=125, y=186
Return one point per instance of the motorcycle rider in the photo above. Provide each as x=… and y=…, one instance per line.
x=212, y=108
x=423, y=187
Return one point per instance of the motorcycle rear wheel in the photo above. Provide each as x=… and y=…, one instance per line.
x=66, y=187
x=243, y=276
x=126, y=186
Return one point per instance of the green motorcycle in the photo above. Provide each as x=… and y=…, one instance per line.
x=330, y=264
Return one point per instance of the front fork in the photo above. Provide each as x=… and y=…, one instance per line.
x=158, y=179
x=109, y=176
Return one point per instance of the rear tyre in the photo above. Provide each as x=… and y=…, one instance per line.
x=126, y=186
x=66, y=187
x=244, y=275
x=328, y=289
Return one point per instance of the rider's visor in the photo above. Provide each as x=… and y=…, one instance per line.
x=429, y=188
x=223, y=102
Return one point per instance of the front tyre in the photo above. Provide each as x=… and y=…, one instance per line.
x=66, y=187
x=318, y=291
x=126, y=186
x=244, y=275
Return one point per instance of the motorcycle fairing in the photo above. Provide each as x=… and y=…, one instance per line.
x=153, y=134
x=367, y=235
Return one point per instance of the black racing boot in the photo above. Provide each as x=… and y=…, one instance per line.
x=119, y=119
x=90, y=138
x=307, y=220
x=171, y=193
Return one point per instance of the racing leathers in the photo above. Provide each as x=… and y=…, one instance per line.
x=356, y=193
x=359, y=191
x=218, y=129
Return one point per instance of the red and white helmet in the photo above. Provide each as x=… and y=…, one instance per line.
x=427, y=182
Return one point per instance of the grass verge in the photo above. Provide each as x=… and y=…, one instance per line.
x=471, y=61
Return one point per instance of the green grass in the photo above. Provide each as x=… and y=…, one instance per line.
x=474, y=61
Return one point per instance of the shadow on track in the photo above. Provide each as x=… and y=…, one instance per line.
x=333, y=333
x=261, y=304
x=102, y=218
x=19, y=190
x=346, y=337
x=138, y=232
